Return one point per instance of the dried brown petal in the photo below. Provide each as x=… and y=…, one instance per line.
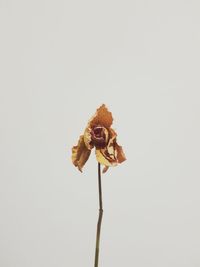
x=100, y=135
x=80, y=154
x=112, y=136
x=112, y=154
x=88, y=138
x=120, y=153
x=102, y=117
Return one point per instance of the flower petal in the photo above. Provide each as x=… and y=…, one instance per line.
x=88, y=138
x=120, y=153
x=112, y=137
x=104, y=158
x=80, y=154
x=112, y=154
x=102, y=117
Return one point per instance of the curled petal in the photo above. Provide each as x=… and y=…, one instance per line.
x=120, y=153
x=112, y=137
x=100, y=135
x=104, y=158
x=88, y=138
x=102, y=117
x=112, y=154
x=80, y=154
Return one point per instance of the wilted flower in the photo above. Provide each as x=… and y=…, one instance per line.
x=100, y=135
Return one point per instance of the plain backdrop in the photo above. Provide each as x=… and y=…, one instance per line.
x=59, y=61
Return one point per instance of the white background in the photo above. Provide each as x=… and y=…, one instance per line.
x=59, y=61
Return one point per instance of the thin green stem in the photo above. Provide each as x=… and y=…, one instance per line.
x=100, y=218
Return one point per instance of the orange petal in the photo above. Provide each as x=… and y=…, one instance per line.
x=112, y=137
x=80, y=154
x=102, y=117
x=120, y=153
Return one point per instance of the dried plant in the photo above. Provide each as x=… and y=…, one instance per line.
x=99, y=135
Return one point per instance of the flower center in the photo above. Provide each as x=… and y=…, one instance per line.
x=99, y=136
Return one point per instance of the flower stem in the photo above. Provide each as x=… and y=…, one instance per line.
x=100, y=218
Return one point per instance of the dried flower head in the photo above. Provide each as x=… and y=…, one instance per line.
x=100, y=135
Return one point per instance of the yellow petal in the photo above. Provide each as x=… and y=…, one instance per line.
x=87, y=138
x=102, y=117
x=112, y=154
x=104, y=159
x=80, y=154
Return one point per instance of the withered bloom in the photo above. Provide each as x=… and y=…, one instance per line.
x=100, y=135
